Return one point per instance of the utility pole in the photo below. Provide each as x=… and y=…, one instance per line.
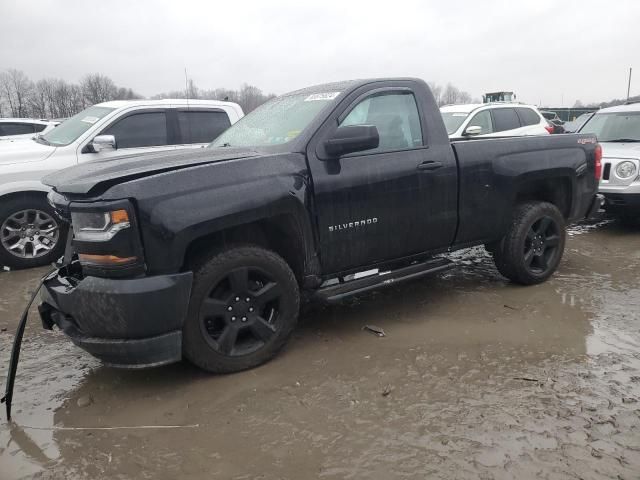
x=629, y=84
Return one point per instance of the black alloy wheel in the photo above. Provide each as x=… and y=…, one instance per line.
x=243, y=309
x=541, y=245
x=241, y=312
x=532, y=246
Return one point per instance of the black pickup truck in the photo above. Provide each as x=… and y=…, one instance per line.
x=318, y=194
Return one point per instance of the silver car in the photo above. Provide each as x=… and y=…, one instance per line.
x=618, y=131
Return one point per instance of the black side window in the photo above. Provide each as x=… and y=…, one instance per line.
x=38, y=127
x=140, y=130
x=202, y=126
x=504, y=119
x=527, y=116
x=396, y=117
x=16, y=128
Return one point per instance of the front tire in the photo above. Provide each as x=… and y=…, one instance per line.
x=532, y=248
x=31, y=235
x=244, y=307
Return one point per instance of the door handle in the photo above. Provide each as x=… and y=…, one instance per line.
x=429, y=165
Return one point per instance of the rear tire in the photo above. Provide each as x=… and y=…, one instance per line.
x=31, y=234
x=532, y=248
x=244, y=307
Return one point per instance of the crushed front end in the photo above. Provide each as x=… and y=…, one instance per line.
x=101, y=296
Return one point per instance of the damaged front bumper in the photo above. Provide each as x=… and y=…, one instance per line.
x=127, y=323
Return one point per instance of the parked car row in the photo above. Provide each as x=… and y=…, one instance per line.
x=30, y=234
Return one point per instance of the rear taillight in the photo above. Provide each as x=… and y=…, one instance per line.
x=549, y=128
x=598, y=158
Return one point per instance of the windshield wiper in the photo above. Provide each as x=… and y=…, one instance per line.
x=42, y=140
x=622, y=140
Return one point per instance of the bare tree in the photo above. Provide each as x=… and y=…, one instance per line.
x=464, y=97
x=453, y=95
x=249, y=97
x=39, y=99
x=56, y=98
x=192, y=89
x=450, y=94
x=225, y=94
x=126, y=94
x=98, y=88
x=16, y=87
x=437, y=92
x=68, y=99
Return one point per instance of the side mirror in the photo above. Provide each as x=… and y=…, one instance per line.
x=352, y=138
x=104, y=142
x=473, y=130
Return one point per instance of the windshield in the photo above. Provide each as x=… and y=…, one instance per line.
x=612, y=127
x=70, y=130
x=453, y=120
x=276, y=122
x=575, y=124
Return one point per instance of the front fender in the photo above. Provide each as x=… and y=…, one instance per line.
x=177, y=208
x=23, y=186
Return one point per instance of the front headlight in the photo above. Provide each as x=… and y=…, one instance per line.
x=626, y=169
x=98, y=226
x=106, y=238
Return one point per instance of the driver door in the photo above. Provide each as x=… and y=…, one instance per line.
x=386, y=203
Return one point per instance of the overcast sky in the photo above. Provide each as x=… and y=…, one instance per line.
x=547, y=51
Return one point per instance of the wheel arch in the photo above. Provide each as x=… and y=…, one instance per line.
x=282, y=233
x=557, y=189
x=22, y=193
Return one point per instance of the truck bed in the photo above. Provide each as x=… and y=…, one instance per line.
x=491, y=170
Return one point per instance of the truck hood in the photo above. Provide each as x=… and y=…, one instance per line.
x=621, y=150
x=82, y=178
x=19, y=151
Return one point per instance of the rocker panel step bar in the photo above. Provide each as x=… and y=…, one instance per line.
x=336, y=292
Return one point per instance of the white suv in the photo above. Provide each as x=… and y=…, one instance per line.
x=618, y=132
x=18, y=128
x=29, y=232
x=494, y=120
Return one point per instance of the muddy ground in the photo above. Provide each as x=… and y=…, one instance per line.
x=476, y=378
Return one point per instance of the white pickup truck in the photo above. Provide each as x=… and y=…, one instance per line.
x=29, y=232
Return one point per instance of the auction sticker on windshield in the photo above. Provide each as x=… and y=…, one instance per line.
x=90, y=120
x=321, y=96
